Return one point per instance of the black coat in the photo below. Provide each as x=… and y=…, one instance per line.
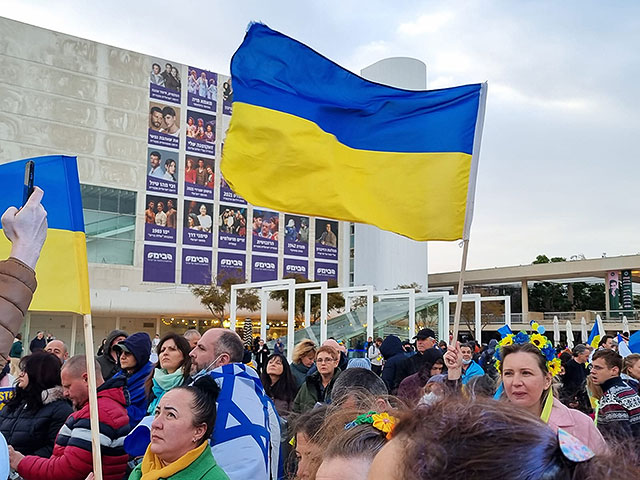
x=33, y=432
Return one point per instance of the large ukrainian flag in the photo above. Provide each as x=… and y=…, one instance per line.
x=307, y=136
x=62, y=274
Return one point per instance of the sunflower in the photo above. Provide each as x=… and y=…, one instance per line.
x=508, y=340
x=554, y=366
x=383, y=422
x=539, y=340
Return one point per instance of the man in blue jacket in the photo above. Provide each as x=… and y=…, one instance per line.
x=470, y=368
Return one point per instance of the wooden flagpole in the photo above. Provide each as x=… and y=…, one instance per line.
x=93, y=397
x=463, y=268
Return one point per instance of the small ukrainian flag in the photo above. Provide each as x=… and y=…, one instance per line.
x=62, y=270
x=309, y=137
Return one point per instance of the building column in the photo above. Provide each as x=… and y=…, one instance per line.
x=607, y=291
x=157, y=325
x=74, y=334
x=117, y=327
x=27, y=332
x=525, y=302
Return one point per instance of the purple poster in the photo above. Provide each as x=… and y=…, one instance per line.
x=295, y=268
x=196, y=266
x=164, y=81
x=228, y=195
x=160, y=219
x=231, y=265
x=232, y=227
x=227, y=97
x=264, y=268
x=326, y=239
x=202, y=89
x=198, y=223
x=201, y=133
x=265, y=231
x=199, y=177
x=164, y=125
x=162, y=171
x=326, y=272
x=159, y=264
x=296, y=235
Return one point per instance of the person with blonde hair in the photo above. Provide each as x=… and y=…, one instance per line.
x=304, y=355
x=631, y=371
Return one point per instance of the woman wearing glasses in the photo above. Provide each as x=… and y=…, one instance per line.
x=317, y=386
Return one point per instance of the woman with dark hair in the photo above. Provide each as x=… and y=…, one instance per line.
x=489, y=439
x=279, y=383
x=31, y=419
x=180, y=432
x=172, y=370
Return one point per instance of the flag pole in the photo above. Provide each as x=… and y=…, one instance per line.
x=463, y=268
x=471, y=193
x=93, y=396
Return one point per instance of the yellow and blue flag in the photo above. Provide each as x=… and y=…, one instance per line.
x=594, y=336
x=62, y=270
x=309, y=137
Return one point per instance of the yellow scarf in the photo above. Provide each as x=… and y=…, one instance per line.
x=153, y=469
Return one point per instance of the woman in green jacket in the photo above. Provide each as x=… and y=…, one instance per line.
x=317, y=386
x=180, y=432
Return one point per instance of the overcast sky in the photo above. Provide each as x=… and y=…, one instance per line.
x=559, y=167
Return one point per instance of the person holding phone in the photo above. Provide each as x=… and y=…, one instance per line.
x=26, y=229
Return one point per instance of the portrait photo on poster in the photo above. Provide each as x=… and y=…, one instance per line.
x=165, y=82
x=199, y=177
x=326, y=239
x=227, y=96
x=264, y=228
x=160, y=218
x=202, y=89
x=162, y=170
x=198, y=223
x=232, y=227
x=296, y=235
x=164, y=125
x=201, y=133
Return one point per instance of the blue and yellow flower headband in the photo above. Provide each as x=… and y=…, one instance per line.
x=536, y=338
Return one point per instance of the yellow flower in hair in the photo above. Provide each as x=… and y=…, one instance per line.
x=508, y=340
x=554, y=366
x=539, y=340
x=498, y=365
x=383, y=422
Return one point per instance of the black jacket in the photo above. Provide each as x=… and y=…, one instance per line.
x=415, y=362
x=394, y=356
x=33, y=432
x=108, y=366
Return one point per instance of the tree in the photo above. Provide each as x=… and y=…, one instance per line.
x=335, y=301
x=216, y=297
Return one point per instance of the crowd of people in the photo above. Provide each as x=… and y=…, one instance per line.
x=213, y=407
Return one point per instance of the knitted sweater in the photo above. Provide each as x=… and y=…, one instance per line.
x=619, y=413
